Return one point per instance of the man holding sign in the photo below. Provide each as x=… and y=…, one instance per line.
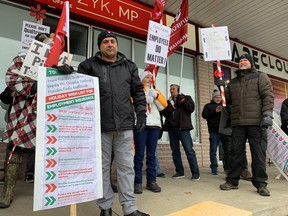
x=20, y=132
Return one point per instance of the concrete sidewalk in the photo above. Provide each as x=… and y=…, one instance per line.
x=176, y=195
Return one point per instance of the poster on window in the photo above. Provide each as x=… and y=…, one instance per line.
x=215, y=43
x=68, y=154
x=277, y=148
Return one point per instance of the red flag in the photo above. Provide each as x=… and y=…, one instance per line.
x=59, y=41
x=179, y=28
x=158, y=10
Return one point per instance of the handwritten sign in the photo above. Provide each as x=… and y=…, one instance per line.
x=157, y=44
x=216, y=44
x=36, y=57
x=29, y=31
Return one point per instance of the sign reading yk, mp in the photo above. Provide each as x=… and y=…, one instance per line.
x=36, y=57
x=157, y=44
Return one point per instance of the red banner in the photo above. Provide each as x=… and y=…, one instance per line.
x=179, y=28
x=59, y=38
x=158, y=10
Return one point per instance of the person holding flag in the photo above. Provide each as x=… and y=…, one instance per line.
x=20, y=132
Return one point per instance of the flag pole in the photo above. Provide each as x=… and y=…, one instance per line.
x=222, y=92
x=68, y=51
x=182, y=62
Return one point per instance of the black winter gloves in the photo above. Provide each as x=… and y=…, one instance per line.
x=141, y=122
x=267, y=119
x=66, y=69
x=220, y=82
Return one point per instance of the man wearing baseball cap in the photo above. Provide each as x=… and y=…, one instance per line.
x=251, y=95
x=118, y=82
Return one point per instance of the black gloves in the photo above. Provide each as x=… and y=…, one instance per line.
x=141, y=122
x=34, y=88
x=65, y=69
x=267, y=119
x=220, y=82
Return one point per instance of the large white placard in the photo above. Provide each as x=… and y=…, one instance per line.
x=157, y=44
x=36, y=57
x=29, y=31
x=68, y=152
x=277, y=148
x=216, y=44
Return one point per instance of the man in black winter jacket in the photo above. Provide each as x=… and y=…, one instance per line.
x=179, y=124
x=212, y=113
x=121, y=94
x=252, y=100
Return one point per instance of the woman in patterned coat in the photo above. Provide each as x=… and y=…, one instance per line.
x=20, y=132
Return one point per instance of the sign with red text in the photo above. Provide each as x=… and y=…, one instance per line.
x=128, y=15
x=68, y=154
x=277, y=148
x=157, y=44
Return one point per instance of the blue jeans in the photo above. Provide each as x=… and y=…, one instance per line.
x=148, y=139
x=214, y=139
x=157, y=164
x=175, y=136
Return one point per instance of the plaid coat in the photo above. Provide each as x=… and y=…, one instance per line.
x=21, y=125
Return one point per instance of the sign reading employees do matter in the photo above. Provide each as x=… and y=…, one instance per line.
x=157, y=44
x=36, y=56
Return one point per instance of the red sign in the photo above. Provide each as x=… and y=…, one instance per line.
x=125, y=14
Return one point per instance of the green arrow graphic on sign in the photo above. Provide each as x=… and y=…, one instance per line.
x=51, y=128
x=50, y=175
x=51, y=151
x=50, y=200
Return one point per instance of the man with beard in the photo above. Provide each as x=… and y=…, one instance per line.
x=252, y=100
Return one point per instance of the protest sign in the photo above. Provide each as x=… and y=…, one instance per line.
x=68, y=154
x=29, y=31
x=277, y=148
x=215, y=43
x=36, y=57
x=157, y=44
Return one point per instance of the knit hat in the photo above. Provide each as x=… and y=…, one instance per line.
x=215, y=93
x=248, y=57
x=45, y=38
x=144, y=74
x=104, y=34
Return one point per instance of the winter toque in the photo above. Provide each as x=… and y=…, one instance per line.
x=215, y=93
x=144, y=74
x=248, y=57
x=104, y=34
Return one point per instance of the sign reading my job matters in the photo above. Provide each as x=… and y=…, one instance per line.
x=157, y=44
x=68, y=154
